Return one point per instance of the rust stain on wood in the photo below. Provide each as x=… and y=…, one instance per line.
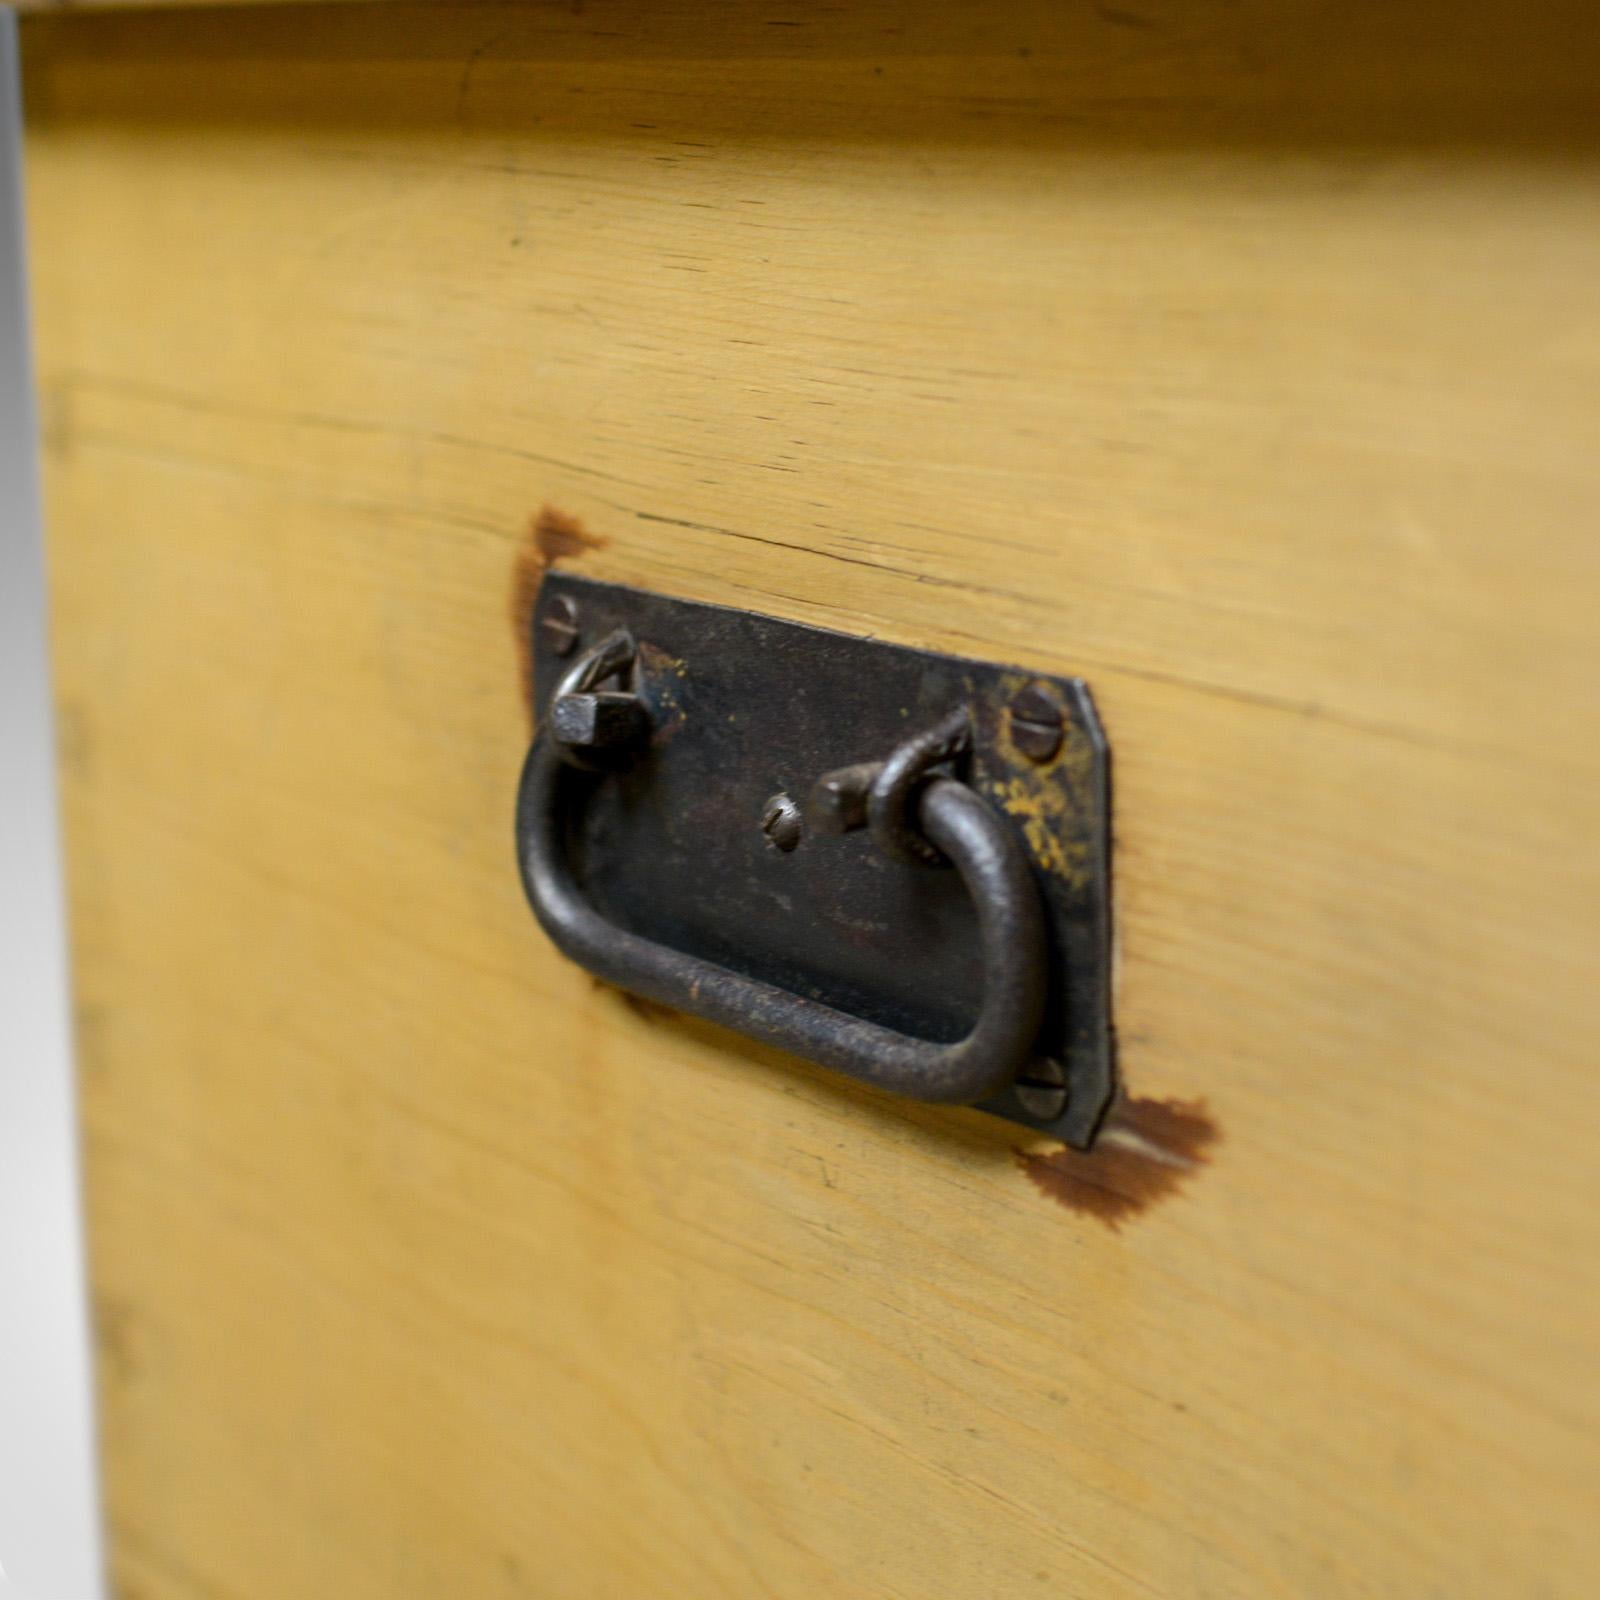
x=552, y=536
x=1147, y=1150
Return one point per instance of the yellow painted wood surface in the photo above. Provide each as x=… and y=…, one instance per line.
x=1245, y=359
x=152, y=5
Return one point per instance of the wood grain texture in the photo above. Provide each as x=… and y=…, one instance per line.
x=1245, y=359
x=59, y=6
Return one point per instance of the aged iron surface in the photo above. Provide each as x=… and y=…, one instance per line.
x=646, y=836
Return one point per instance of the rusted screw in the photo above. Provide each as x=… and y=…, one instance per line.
x=1035, y=723
x=781, y=823
x=560, y=625
x=1042, y=1089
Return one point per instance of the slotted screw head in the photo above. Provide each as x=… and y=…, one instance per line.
x=560, y=625
x=1036, y=722
x=1042, y=1089
x=781, y=823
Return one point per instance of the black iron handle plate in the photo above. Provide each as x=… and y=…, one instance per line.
x=655, y=871
x=982, y=1062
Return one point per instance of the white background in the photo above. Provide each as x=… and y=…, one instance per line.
x=49, y=1538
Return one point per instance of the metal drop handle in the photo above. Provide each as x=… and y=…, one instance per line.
x=588, y=731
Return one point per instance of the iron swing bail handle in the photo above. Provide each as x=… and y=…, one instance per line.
x=929, y=819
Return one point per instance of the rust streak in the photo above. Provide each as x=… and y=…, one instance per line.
x=552, y=536
x=1147, y=1151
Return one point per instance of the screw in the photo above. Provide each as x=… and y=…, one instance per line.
x=1042, y=1089
x=1035, y=723
x=781, y=823
x=560, y=625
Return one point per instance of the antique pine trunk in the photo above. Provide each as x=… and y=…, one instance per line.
x=1240, y=358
